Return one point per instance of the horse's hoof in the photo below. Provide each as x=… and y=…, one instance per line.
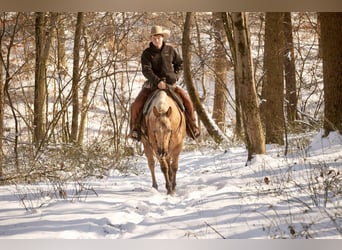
x=171, y=193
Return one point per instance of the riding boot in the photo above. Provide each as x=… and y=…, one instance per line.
x=136, y=113
x=191, y=127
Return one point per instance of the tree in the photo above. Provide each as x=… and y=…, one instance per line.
x=331, y=39
x=8, y=72
x=244, y=69
x=90, y=58
x=273, y=84
x=212, y=129
x=43, y=42
x=76, y=78
x=290, y=70
x=220, y=67
x=60, y=103
x=2, y=109
x=228, y=27
x=39, y=82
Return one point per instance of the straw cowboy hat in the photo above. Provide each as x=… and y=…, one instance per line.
x=158, y=30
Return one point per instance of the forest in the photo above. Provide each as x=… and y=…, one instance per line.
x=267, y=91
x=67, y=81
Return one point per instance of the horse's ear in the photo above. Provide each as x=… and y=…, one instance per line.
x=156, y=112
x=168, y=112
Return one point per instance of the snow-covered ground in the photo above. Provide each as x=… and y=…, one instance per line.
x=218, y=196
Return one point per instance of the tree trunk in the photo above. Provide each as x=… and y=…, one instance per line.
x=220, y=67
x=2, y=104
x=273, y=85
x=88, y=81
x=61, y=55
x=76, y=78
x=255, y=139
x=331, y=39
x=43, y=41
x=211, y=127
x=319, y=35
x=290, y=70
x=6, y=65
x=39, y=89
x=228, y=27
x=201, y=55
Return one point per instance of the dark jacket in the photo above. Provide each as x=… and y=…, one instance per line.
x=161, y=63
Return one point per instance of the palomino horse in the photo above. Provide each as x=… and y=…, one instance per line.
x=163, y=134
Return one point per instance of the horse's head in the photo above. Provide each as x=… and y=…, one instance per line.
x=162, y=131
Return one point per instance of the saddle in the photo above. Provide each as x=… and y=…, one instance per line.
x=170, y=92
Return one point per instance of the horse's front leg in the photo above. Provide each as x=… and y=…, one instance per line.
x=165, y=167
x=151, y=165
x=174, y=169
x=172, y=175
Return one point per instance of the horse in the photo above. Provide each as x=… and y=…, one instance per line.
x=163, y=132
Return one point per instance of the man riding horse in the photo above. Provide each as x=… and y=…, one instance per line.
x=161, y=65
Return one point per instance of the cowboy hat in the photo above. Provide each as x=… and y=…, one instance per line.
x=158, y=30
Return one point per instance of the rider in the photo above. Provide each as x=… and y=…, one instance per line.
x=161, y=65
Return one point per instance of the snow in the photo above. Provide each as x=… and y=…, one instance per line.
x=218, y=196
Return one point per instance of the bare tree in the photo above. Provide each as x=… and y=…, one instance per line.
x=59, y=102
x=212, y=129
x=2, y=109
x=290, y=70
x=201, y=55
x=43, y=42
x=220, y=67
x=255, y=139
x=228, y=28
x=273, y=85
x=76, y=78
x=10, y=30
x=331, y=39
x=92, y=49
x=40, y=80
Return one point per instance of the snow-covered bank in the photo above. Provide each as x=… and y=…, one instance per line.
x=218, y=196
